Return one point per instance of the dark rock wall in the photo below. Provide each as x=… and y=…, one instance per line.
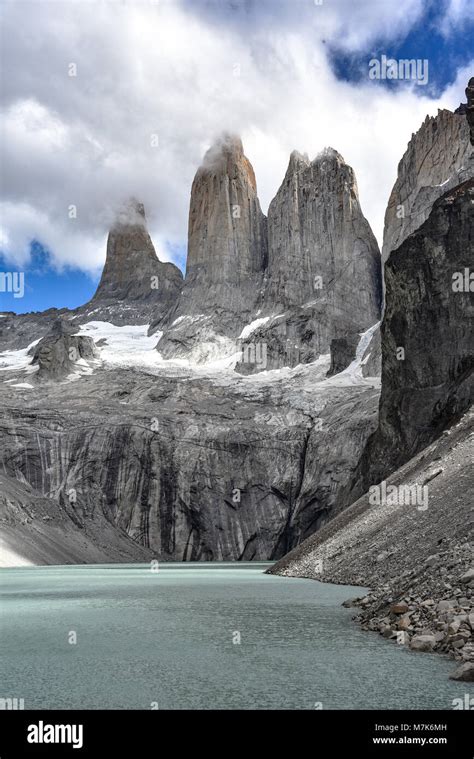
x=427, y=345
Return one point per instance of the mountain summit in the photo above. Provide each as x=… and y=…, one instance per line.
x=227, y=235
x=227, y=255
x=315, y=254
x=135, y=284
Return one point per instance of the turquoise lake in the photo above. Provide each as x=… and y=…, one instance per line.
x=200, y=636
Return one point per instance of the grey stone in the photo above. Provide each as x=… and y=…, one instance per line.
x=57, y=353
x=439, y=156
x=427, y=318
x=423, y=643
x=465, y=673
x=467, y=576
x=323, y=280
x=343, y=350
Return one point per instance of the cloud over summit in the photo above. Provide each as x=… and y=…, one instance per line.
x=156, y=82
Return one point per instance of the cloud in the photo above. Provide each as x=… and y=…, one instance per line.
x=156, y=82
x=354, y=25
x=22, y=223
x=458, y=13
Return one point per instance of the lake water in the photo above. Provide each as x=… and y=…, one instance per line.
x=169, y=638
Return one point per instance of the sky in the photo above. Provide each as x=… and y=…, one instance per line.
x=104, y=99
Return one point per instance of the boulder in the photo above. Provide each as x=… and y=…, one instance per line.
x=465, y=673
x=423, y=643
x=399, y=608
x=467, y=577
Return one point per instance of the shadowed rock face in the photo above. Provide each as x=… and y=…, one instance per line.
x=343, y=350
x=470, y=107
x=193, y=468
x=227, y=252
x=439, y=156
x=134, y=285
x=56, y=353
x=429, y=315
x=467, y=109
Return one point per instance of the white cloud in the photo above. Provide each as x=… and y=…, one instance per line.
x=22, y=223
x=180, y=72
x=458, y=12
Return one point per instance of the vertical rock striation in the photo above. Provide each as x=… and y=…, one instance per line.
x=320, y=245
x=227, y=254
x=427, y=357
x=227, y=236
x=323, y=278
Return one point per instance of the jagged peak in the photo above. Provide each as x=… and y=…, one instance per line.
x=328, y=154
x=298, y=159
x=301, y=162
x=429, y=129
x=298, y=163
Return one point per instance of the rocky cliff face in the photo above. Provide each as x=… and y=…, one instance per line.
x=291, y=285
x=61, y=352
x=409, y=536
x=439, y=156
x=227, y=255
x=20, y=330
x=192, y=467
x=427, y=358
x=320, y=245
x=323, y=279
x=193, y=462
x=227, y=236
x=36, y=529
x=135, y=286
